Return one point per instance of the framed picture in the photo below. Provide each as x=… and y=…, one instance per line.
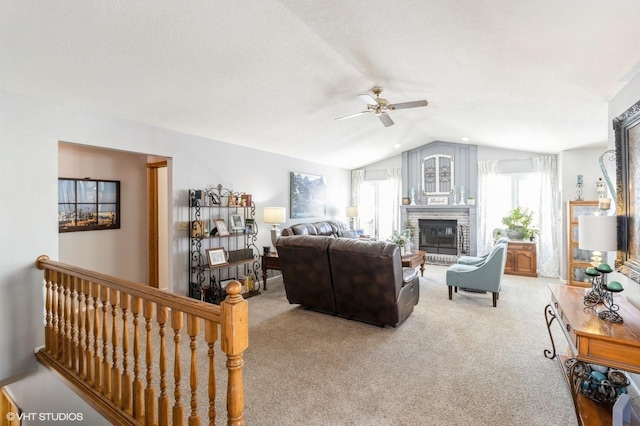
x=88, y=204
x=308, y=195
x=627, y=139
x=237, y=222
x=222, y=227
x=250, y=226
x=217, y=257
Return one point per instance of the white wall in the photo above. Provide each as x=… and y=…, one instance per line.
x=30, y=132
x=118, y=252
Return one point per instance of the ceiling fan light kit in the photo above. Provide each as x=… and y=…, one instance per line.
x=379, y=106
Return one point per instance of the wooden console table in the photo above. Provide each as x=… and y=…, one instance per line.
x=269, y=261
x=592, y=341
x=414, y=259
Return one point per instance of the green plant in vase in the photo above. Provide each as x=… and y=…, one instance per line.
x=401, y=239
x=518, y=223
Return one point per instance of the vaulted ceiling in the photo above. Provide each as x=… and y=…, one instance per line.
x=274, y=74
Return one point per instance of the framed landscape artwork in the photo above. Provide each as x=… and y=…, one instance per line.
x=308, y=196
x=88, y=204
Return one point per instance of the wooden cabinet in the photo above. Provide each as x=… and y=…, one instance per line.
x=522, y=259
x=578, y=260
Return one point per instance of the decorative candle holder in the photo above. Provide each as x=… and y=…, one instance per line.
x=611, y=314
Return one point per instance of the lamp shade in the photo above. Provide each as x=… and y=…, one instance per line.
x=597, y=233
x=275, y=214
x=352, y=211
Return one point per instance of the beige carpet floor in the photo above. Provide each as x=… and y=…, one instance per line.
x=459, y=362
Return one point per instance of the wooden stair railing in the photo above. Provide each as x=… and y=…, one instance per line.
x=93, y=338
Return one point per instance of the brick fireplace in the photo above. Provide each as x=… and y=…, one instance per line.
x=438, y=177
x=444, y=221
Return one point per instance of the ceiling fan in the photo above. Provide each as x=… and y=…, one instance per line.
x=380, y=106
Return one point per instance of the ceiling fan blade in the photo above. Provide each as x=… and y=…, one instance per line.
x=414, y=104
x=352, y=115
x=386, y=120
x=367, y=98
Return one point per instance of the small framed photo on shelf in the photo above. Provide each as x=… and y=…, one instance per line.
x=237, y=222
x=250, y=226
x=217, y=257
x=221, y=226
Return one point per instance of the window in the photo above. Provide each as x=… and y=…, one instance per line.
x=87, y=204
x=437, y=175
x=519, y=189
x=376, y=209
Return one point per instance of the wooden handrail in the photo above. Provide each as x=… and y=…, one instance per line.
x=93, y=338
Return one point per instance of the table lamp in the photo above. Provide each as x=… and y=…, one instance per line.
x=598, y=234
x=352, y=214
x=275, y=216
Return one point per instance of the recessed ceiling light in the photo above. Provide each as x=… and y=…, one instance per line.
x=465, y=139
x=396, y=146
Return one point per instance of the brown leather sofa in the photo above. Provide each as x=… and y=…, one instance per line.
x=328, y=228
x=360, y=280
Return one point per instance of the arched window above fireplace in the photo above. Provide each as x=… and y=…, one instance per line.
x=437, y=175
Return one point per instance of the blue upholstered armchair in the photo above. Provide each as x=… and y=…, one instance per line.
x=477, y=260
x=486, y=276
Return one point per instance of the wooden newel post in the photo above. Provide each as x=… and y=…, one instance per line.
x=234, y=341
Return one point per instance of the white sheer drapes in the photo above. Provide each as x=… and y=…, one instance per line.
x=488, y=205
x=546, y=171
x=357, y=180
x=395, y=182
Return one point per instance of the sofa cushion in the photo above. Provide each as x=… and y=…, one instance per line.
x=304, y=263
x=347, y=233
x=327, y=228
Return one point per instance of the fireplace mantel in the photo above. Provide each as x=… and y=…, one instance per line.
x=440, y=208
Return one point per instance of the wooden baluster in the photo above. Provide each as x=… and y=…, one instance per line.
x=125, y=384
x=106, y=370
x=82, y=329
x=64, y=321
x=88, y=353
x=58, y=318
x=149, y=392
x=73, y=320
x=211, y=335
x=97, y=360
x=177, y=321
x=163, y=400
x=138, y=406
x=115, y=369
x=193, y=329
x=234, y=341
x=48, y=330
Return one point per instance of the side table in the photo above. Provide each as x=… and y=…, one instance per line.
x=414, y=259
x=591, y=341
x=269, y=261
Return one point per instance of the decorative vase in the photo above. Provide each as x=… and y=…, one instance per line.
x=515, y=234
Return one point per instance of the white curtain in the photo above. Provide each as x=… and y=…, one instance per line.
x=357, y=179
x=489, y=216
x=395, y=181
x=546, y=172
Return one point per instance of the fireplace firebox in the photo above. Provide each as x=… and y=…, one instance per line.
x=438, y=236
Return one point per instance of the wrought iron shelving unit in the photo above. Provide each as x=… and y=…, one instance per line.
x=205, y=206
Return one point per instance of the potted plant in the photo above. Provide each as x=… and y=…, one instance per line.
x=401, y=239
x=518, y=223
